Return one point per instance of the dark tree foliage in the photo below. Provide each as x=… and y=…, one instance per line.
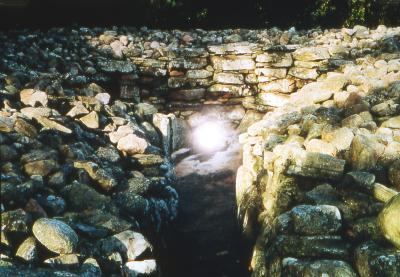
x=207, y=13
x=284, y=13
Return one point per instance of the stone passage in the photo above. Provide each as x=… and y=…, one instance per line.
x=92, y=120
x=206, y=240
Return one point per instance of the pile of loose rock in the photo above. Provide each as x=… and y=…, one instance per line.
x=183, y=71
x=304, y=190
x=81, y=179
x=85, y=153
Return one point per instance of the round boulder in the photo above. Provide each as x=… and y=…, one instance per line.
x=55, y=235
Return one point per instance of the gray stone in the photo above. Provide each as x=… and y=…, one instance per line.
x=311, y=54
x=28, y=250
x=55, y=205
x=133, y=203
x=65, y=261
x=229, y=78
x=366, y=228
x=19, y=193
x=227, y=91
x=78, y=109
x=103, y=176
x=303, y=73
x=309, y=64
x=277, y=124
x=353, y=121
x=234, y=48
x=365, y=151
x=117, y=48
x=16, y=221
x=390, y=154
x=311, y=95
x=163, y=125
x=187, y=94
x=31, y=112
x=138, y=185
x=360, y=179
x=103, y=98
x=24, y=128
x=316, y=165
x=360, y=32
x=387, y=108
x=231, y=63
x=122, y=131
x=340, y=138
x=316, y=220
x=248, y=119
x=109, y=154
x=90, y=268
x=148, y=159
x=275, y=59
x=8, y=153
x=31, y=97
x=177, y=82
x=53, y=125
x=313, y=246
x=394, y=174
x=188, y=63
x=38, y=155
x=141, y=268
x=151, y=133
x=91, y=120
x=272, y=99
x=198, y=74
x=373, y=260
x=389, y=222
x=145, y=111
x=280, y=86
x=130, y=244
x=117, y=66
x=270, y=73
x=132, y=144
x=393, y=122
x=320, y=146
x=323, y=194
x=333, y=268
x=55, y=235
x=7, y=123
x=99, y=222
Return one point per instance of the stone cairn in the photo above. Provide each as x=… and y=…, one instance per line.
x=86, y=174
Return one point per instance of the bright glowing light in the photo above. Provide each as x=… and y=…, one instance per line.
x=210, y=136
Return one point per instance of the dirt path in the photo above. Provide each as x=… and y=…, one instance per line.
x=206, y=241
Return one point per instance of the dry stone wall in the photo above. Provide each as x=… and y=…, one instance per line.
x=320, y=116
x=259, y=73
x=308, y=188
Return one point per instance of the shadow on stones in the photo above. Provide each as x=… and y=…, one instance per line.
x=206, y=240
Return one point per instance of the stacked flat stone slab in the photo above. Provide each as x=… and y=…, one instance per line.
x=259, y=69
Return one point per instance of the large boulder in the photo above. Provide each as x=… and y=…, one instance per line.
x=55, y=235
